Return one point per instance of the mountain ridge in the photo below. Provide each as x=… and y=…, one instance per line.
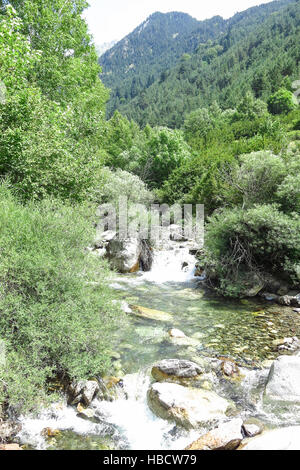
x=155, y=45
x=224, y=68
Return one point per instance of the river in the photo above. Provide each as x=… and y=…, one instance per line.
x=214, y=327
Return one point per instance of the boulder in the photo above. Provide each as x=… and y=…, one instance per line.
x=283, y=382
x=289, y=344
x=277, y=439
x=146, y=256
x=9, y=430
x=125, y=255
x=227, y=436
x=252, y=427
x=230, y=368
x=151, y=313
x=174, y=333
x=285, y=300
x=188, y=407
x=252, y=285
x=176, y=370
x=275, y=285
x=83, y=391
x=289, y=300
x=102, y=238
x=87, y=414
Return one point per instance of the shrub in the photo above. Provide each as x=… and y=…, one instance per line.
x=156, y=153
x=254, y=179
x=56, y=311
x=281, y=102
x=288, y=191
x=255, y=240
x=113, y=184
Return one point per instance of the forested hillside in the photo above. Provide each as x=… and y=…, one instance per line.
x=141, y=57
x=259, y=49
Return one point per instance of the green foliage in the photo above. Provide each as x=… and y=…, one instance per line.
x=281, y=102
x=48, y=147
x=250, y=108
x=254, y=179
x=56, y=311
x=288, y=191
x=144, y=56
x=197, y=180
x=156, y=153
x=198, y=124
x=258, y=239
x=38, y=151
x=119, y=135
x=259, y=233
x=68, y=64
x=113, y=184
x=16, y=56
x=257, y=51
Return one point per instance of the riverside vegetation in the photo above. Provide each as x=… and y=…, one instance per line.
x=238, y=154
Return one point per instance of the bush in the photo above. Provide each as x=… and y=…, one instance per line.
x=113, y=184
x=156, y=153
x=288, y=191
x=257, y=240
x=254, y=179
x=56, y=311
x=197, y=180
x=281, y=102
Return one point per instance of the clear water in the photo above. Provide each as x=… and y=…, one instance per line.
x=242, y=330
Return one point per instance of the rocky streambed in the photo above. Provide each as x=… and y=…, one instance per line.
x=190, y=370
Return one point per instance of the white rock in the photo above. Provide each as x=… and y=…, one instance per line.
x=284, y=380
x=227, y=436
x=174, y=333
x=188, y=407
x=278, y=439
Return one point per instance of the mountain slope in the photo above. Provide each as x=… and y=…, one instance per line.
x=260, y=48
x=106, y=46
x=135, y=62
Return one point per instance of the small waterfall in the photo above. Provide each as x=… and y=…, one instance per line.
x=172, y=263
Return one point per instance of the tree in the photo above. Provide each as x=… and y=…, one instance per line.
x=119, y=134
x=54, y=322
x=46, y=146
x=68, y=65
x=250, y=108
x=17, y=59
x=254, y=179
x=156, y=153
x=241, y=244
x=282, y=102
x=198, y=124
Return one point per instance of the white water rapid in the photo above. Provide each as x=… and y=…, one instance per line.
x=174, y=264
x=127, y=420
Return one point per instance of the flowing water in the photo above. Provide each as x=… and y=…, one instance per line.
x=215, y=327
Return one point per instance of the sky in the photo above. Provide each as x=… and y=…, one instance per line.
x=111, y=20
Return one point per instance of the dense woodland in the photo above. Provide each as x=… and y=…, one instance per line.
x=216, y=60
x=221, y=128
